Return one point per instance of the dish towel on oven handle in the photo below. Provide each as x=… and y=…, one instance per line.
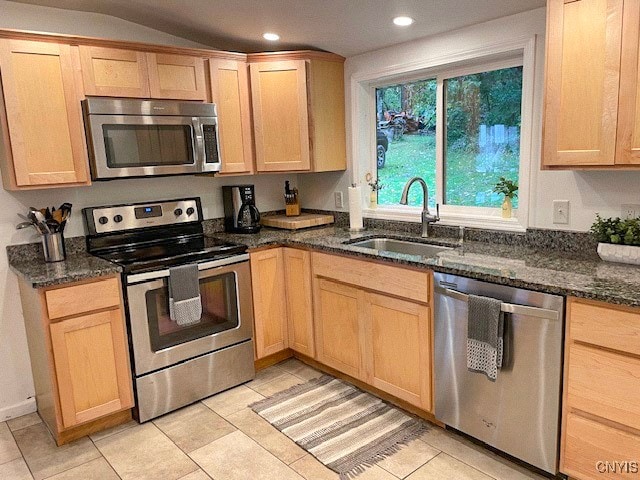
x=485, y=336
x=185, y=304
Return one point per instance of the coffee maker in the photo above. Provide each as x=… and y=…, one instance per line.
x=240, y=212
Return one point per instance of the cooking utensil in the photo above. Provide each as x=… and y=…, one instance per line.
x=38, y=218
x=22, y=225
x=65, y=208
x=24, y=217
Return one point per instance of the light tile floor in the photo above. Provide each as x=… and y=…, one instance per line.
x=221, y=438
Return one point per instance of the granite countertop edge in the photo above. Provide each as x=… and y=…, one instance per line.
x=523, y=268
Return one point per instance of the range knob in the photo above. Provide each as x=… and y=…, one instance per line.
x=190, y=211
x=103, y=220
x=177, y=212
x=117, y=218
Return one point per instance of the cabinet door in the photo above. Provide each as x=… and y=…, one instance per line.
x=42, y=103
x=230, y=93
x=297, y=269
x=582, y=82
x=398, y=348
x=628, y=139
x=176, y=77
x=339, y=336
x=269, y=302
x=111, y=72
x=280, y=115
x=92, y=366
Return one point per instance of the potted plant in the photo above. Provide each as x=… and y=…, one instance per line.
x=509, y=189
x=619, y=240
x=375, y=186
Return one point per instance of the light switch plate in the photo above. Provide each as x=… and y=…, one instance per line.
x=560, y=211
x=338, y=199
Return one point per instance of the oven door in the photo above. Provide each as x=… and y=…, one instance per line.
x=147, y=145
x=227, y=316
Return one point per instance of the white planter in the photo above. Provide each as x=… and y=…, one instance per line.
x=610, y=252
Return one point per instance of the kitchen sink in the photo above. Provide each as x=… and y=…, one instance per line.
x=401, y=246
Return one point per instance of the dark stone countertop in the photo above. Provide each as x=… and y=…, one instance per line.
x=28, y=262
x=580, y=274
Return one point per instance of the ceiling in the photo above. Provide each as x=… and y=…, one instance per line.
x=346, y=27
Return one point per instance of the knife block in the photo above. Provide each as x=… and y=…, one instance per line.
x=292, y=209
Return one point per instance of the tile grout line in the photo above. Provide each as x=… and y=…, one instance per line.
x=461, y=461
x=20, y=450
x=105, y=458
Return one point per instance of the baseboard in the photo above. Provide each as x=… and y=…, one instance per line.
x=19, y=409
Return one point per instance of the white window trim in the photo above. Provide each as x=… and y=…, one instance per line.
x=363, y=113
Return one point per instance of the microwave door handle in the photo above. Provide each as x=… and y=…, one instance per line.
x=198, y=140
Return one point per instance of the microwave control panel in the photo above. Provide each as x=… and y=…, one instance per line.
x=210, y=143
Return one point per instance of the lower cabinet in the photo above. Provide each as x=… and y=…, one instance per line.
x=398, y=348
x=281, y=283
x=339, y=332
x=601, y=413
x=91, y=365
x=369, y=334
x=79, y=356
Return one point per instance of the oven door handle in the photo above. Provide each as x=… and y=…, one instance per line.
x=143, y=277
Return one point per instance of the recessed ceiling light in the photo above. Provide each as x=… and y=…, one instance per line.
x=403, y=21
x=272, y=37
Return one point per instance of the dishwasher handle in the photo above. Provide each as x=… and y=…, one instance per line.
x=506, y=307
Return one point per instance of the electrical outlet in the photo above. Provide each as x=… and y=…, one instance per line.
x=630, y=211
x=338, y=199
x=560, y=211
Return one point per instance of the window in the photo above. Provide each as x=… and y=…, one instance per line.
x=460, y=147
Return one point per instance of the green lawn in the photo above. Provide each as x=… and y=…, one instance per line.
x=415, y=155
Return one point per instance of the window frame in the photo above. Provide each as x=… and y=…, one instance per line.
x=519, y=52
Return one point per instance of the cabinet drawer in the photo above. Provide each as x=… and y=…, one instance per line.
x=618, y=329
x=605, y=384
x=396, y=281
x=63, y=302
x=592, y=450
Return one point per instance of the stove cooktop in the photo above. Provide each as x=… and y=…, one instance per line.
x=169, y=253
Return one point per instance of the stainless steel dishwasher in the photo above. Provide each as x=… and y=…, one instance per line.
x=519, y=413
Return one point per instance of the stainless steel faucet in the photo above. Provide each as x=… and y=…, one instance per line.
x=427, y=218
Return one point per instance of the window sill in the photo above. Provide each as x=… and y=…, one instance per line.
x=408, y=214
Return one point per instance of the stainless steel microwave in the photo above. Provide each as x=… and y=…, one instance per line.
x=140, y=138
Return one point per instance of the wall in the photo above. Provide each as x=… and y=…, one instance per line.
x=588, y=192
x=16, y=385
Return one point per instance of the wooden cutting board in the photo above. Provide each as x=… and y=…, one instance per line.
x=304, y=220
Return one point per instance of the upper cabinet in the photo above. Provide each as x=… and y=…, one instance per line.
x=42, y=130
x=176, y=77
x=230, y=93
x=591, y=90
x=298, y=112
x=113, y=72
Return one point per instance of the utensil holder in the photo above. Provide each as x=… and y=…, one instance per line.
x=53, y=247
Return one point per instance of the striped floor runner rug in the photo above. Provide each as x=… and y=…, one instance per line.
x=345, y=428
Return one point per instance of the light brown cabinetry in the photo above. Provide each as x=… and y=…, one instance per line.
x=398, y=348
x=113, y=72
x=269, y=302
x=297, y=275
x=373, y=322
x=601, y=410
x=178, y=77
x=79, y=356
x=298, y=113
x=230, y=93
x=281, y=281
x=592, y=81
x=42, y=129
x=339, y=329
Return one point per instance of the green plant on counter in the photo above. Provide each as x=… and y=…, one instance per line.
x=508, y=188
x=616, y=230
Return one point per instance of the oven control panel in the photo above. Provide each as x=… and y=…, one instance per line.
x=117, y=218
